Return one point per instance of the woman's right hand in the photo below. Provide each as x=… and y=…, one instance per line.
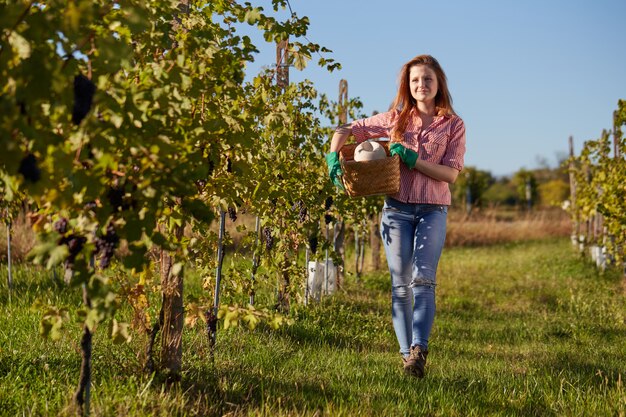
x=334, y=169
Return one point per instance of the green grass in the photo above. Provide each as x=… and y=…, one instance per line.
x=525, y=329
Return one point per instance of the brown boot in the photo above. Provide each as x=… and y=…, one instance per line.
x=415, y=363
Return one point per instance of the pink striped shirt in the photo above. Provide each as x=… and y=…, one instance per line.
x=442, y=142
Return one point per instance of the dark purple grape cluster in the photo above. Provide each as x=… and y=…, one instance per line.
x=116, y=197
x=60, y=226
x=328, y=218
x=232, y=213
x=75, y=244
x=84, y=90
x=328, y=203
x=313, y=243
x=88, y=162
x=302, y=214
x=200, y=184
x=29, y=169
x=302, y=211
x=90, y=155
x=105, y=246
x=118, y=200
x=210, y=164
x=269, y=239
x=22, y=105
x=91, y=205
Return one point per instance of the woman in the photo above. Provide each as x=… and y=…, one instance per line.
x=430, y=140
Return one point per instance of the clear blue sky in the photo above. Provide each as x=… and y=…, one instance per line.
x=524, y=75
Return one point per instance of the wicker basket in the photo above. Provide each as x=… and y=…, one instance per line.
x=380, y=177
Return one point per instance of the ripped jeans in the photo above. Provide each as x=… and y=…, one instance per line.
x=413, y=236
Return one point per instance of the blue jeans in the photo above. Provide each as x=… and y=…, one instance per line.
x=413, y=236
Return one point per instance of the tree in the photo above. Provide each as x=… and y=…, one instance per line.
x=553, y=192
x=471, y=185
x=526, y=186
x=501, y=192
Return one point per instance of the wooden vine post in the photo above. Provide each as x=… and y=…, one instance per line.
x=172, y=274
x=374, y=234
x=339, y=225
x=9, y=271
x=586, y=236
x=375, y=241
x=255, y=259
x=600, y=231
x=572, y=187
x=82, y=395
x=282, y=64
x=326, y=267
x=282, y=82
x=212, y=317
x=357, y=252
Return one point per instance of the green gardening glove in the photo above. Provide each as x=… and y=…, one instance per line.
x=408, y=156
x=334, y=169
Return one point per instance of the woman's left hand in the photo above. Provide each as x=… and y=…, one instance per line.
x=408, y=156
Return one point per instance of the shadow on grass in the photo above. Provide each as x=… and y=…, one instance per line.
x=477, y=395
x=210, y=392
x=25, y=290
x=248, y=392
x=590, y=374
x=343, y=325
x=254, y=392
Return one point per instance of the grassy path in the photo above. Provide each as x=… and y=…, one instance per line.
x=521, y=330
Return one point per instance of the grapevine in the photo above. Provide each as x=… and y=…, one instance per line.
x=152, y=132
x=600, y=177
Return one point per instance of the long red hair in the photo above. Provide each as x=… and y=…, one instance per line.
x=404, y=102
